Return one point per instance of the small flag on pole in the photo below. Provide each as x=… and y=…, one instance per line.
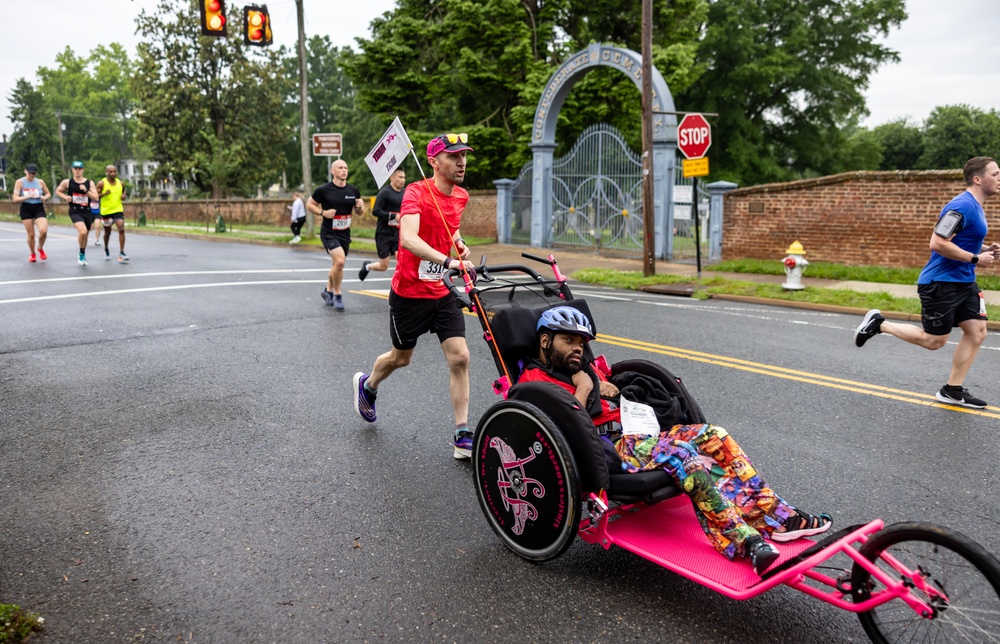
x=389, y=152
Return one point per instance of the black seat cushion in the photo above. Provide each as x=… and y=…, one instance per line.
x=647, y=487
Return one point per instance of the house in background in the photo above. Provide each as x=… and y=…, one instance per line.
x=137, y=174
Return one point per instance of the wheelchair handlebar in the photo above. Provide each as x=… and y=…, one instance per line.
x=460, y=290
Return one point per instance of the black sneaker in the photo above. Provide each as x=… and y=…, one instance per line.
x=959, y=396
x=869, y=327
x=363, y=273
x=762, y=554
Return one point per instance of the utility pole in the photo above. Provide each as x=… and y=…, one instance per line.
x=62, y=153
x=304, y=118
x=648, y=223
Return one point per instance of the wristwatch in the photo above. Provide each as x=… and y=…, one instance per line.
x=974, y=260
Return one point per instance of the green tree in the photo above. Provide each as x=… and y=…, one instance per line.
x=93, y=101
x=901, y=144
x=211, y=108
x=955, y=133
x=480, y=67
x=451, y=66
x=785, y=78
x=332, y=108
x=34, y=137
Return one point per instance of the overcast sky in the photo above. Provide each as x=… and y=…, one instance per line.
x=950, y=50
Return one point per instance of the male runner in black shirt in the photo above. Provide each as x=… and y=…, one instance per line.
x=335, y=201
x=386, y=208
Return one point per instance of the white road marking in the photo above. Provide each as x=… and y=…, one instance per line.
x=177, y=287
x=248, y=271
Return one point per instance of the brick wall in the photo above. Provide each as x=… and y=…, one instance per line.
x=479, y=219
x=856, y=218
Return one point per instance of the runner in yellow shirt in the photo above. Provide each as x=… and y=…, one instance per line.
x=112, y=192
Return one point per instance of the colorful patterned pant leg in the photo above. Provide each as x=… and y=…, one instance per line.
x=731, y=502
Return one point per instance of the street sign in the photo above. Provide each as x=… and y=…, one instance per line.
x=694, y=167
x=327, y=145
x=694, y=136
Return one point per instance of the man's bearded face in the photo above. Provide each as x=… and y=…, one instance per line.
x=564, y=352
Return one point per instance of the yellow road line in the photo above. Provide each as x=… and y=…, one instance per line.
x=900, y=395
x=798, y=376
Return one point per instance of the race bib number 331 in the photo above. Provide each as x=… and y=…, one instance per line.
x=429, y=271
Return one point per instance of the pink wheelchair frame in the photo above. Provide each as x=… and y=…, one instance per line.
x=933, y=571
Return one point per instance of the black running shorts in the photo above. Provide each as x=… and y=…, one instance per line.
x=32, y=210
x=387, y=243
x=86, y=219
x=112, y=218
x=335, y=239
x=943, y=305
x=410, y=318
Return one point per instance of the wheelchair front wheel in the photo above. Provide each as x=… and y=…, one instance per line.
x=947, y=570
x=526, y=480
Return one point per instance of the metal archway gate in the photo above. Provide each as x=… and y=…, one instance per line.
x=597, y=194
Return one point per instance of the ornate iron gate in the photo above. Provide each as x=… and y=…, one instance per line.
x=520, y=207
x=597, y=194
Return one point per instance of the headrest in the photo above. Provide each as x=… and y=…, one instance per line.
x=514, y=329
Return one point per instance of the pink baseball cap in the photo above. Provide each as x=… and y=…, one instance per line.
x=448, y=143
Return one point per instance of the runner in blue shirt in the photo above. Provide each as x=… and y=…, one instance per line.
x=949, y=295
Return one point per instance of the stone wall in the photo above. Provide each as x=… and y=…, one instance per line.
x=479, y=219
x=856, y=218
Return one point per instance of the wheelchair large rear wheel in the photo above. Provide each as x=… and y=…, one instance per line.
x=953, y=574
x=526, y=480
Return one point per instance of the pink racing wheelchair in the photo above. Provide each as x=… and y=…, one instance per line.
x=542, y=479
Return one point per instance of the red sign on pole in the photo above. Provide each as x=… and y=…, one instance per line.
x=694, y=136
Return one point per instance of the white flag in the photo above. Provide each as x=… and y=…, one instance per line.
x=389, y=152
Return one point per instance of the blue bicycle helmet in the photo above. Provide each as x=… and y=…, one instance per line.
x=565, y=319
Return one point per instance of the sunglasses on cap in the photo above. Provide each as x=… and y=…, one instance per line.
x=450, y=142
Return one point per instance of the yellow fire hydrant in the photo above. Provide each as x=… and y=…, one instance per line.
x=795, y=263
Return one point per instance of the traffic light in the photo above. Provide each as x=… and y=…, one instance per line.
x=213, y=17
x=256, y=25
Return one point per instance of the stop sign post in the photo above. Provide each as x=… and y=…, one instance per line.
x=694, y=137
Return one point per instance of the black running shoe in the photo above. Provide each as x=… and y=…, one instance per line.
x=363, y=273
x=869, y=327
x=959, y=396
x=762, y=554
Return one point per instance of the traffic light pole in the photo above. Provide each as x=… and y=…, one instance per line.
x=304, y=118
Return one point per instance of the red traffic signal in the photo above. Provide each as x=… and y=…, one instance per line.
x=213, y=17
x=256, y=25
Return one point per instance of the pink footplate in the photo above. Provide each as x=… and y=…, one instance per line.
x=669, y=534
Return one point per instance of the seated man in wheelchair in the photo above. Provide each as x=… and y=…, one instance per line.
x=735, y=507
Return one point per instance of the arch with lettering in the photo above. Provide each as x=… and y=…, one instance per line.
x=543, y=138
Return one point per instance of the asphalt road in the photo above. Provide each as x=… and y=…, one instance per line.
x=180, y=460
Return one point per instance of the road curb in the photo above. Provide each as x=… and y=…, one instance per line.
x=991, y=325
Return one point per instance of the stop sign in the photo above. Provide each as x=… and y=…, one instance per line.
x=694, y=136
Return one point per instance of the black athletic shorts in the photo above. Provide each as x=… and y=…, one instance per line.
x=32, y=210
x=387, y=242
x=943, y=305
x=335, y=239
x=410, y=318
x=87, y=219
x=112, y=218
